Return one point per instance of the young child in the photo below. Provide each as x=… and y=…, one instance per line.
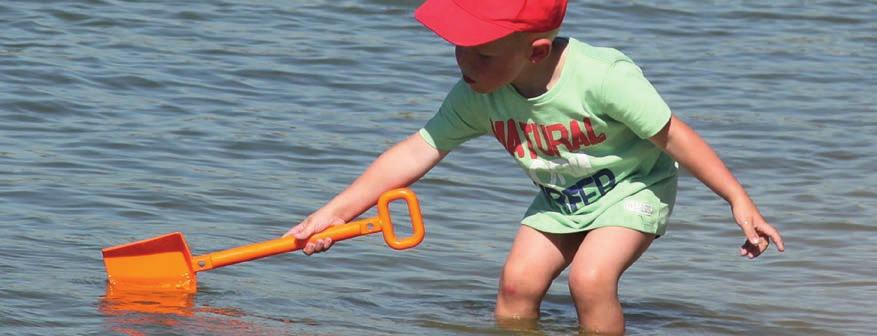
x=587, y=127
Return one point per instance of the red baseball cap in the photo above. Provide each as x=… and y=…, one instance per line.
x=474, y=22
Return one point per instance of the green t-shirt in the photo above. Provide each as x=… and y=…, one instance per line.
x=584, y=142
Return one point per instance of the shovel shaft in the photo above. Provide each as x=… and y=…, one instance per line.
x=283, y=245
x=382, y=222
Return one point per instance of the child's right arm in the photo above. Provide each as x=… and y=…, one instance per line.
x=398, y=166
x=687, y=147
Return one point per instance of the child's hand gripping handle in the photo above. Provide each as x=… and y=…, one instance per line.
x=361, y=227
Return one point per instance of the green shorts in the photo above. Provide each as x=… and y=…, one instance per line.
x=646, y=210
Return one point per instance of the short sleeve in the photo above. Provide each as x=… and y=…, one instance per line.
x=457, y=120
x=630, y=99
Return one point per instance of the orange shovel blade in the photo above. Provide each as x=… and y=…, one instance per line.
x=160, y=263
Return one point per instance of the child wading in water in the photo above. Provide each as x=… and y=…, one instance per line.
x=588, y=128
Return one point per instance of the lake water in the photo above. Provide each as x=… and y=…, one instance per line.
x=232, y=120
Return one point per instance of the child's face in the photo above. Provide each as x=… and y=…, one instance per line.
x=488, y=67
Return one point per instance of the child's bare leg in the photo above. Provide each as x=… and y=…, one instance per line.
x=603, y=255
x=535, y=259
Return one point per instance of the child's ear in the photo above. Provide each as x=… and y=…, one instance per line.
x=540, y=49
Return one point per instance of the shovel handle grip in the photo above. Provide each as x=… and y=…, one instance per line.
x=357, y=228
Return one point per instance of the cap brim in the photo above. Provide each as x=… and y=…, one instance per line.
x=456, y=25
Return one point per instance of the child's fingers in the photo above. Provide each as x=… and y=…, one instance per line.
x=761, y=246
x=748, y=250
x=323, y=245
x=305, y=231
x=749, y=231
x=774, y=235
x=292, y=231
x=754, y=250
x=320, y=245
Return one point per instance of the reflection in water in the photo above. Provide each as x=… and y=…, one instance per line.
x=121, y=302
x=145, y=313
x=134, y=313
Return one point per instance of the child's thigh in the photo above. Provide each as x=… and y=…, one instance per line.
x=539, y=255
x=607, y=252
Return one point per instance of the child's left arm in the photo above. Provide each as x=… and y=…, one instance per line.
x=692, y=152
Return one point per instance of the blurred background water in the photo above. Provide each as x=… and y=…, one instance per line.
x=231, y=120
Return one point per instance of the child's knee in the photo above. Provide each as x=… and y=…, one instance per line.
x=519, y=281
x=592, y=284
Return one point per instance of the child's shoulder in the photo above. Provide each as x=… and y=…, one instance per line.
x=602, y=55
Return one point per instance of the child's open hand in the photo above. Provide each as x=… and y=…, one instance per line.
x=315, y=223
x=758, y=232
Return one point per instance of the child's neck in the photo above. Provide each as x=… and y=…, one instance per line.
x=540, y=77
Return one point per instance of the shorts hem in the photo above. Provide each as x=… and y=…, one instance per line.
x=657, y=233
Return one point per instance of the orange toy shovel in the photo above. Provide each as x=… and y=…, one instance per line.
x=165, y=263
